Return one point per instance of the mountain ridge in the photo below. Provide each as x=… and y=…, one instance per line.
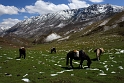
x=62, y=22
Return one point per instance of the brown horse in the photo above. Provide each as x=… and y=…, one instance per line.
x=22, y=52
x=98, y=52
x=78, y=55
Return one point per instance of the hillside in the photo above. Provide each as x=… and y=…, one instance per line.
x=64, y=22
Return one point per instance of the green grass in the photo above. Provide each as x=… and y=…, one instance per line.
x=39, y=64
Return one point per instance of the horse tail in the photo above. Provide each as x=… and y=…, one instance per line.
x=95, y=50
x=67, y=60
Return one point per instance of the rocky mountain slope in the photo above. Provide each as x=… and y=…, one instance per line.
x=93, y=18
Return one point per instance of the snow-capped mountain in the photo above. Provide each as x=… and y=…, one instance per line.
x=3, y=29
x=64, y=21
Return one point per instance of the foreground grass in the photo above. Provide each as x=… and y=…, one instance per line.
x=42, y=67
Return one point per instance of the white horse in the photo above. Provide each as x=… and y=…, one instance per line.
x=98, y=52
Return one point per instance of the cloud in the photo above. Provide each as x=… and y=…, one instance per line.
x=42, y=7
x=96, y=1
x=8, y=10
x=7, y=23
x=22, y=10
x=77, y=4
x=26, y=17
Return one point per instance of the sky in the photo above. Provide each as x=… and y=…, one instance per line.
x=14, y=11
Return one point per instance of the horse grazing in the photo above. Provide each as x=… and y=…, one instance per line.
x=98, y=52
x=22, y=52
x=78, y=55
x=53, y=50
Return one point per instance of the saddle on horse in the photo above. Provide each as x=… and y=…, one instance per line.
x=76, y=53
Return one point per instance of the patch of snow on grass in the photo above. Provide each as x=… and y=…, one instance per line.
x=113, y=72
x=102, y=73
x=54, y=74
x=122, y=51
x=25, y=75
x=26, y=80
x=120, y=67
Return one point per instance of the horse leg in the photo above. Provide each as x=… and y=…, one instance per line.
x=71, y=63
x=20, y=54
x=67, y=60
x=51, y=51
x=55, y=51
x=98, y=57
x=98, y=54
x=89, y=63
x=80, y=65
x=24, y=55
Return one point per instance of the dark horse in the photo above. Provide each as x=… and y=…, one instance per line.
x=53, y=50
x=22, y=52
x=78, y=55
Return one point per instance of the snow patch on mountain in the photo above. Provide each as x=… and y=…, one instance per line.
x=117, y=8
x=1, y=30
x=61, y=25
x=63, y=38
x=52, y=37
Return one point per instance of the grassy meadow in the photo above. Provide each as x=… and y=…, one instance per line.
x=42, y=67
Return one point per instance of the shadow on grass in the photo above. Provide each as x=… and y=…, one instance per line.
x=68, y=68
x=17, y=58
x=94, y=59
